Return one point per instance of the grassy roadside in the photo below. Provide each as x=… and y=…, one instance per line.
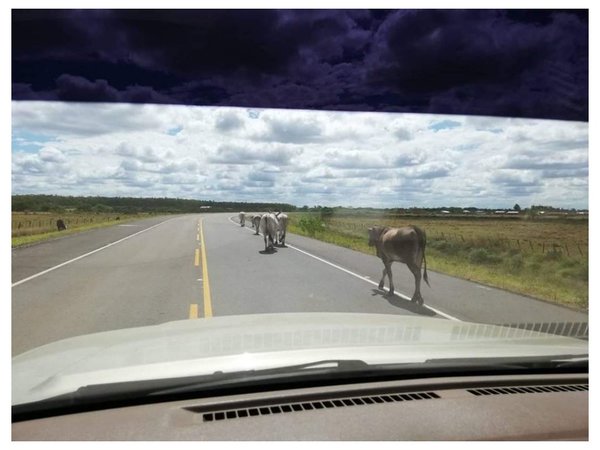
x=34, y=237
x=550, y=276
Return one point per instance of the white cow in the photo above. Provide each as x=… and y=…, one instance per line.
x=268, y=227
x=242, y=218
x=281, y=229
x=256, y=222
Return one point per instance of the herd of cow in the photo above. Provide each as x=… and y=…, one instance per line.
x=271, y=225
x=405, y=245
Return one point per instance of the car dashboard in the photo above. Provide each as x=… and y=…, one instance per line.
x=498, y=407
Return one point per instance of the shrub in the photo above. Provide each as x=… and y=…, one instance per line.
x=311, y=224
x=483, y=256
x=514, y=263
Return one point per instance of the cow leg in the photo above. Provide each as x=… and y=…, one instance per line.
x=416, y=271
x=388, y=269
x=382, y=279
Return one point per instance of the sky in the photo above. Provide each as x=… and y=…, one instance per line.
x=460, y=107
x=302, y=157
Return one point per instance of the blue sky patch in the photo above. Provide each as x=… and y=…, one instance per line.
x=444, y=125
x=174, y=131
x=26, y=141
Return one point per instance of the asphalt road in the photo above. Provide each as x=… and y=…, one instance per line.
x=159, y=270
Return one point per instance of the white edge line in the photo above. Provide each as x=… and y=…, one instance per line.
x=87, y=254
x=447, y=316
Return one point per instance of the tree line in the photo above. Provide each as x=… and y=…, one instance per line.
x=132, y=205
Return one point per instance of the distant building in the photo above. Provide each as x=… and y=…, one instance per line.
x=512, y=212
x=445, y=211
x=500, y=212
x=204, y=207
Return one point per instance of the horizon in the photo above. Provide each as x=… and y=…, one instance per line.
x=521, y=208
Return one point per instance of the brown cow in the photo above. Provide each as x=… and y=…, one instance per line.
x=405, y=245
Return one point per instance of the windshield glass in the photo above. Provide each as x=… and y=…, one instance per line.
x=277, y=237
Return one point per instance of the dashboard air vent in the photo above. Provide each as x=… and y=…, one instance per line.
x=528, y=389
x=280, y=408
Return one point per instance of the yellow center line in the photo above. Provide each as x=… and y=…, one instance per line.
x=193, y=311
x=206, y=284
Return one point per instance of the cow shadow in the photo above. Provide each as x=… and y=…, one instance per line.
x=271, y=251
x=280, y=245
x=399, y=302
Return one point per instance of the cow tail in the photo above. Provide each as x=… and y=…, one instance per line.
x=422, y=244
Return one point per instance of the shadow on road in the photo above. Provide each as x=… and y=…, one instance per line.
x=268, y=252
x=407, y=305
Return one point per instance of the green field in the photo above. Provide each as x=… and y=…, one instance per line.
x=33, y=227
x=543, y=258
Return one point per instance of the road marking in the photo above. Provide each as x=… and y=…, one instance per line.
x=43, y=272
x=405, y=297
x=205, y=283
x=193, y=311
x=197, y=258
x=198, y=237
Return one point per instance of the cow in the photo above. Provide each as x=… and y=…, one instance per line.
x=242, y=218
x=405, y=245
x=60, y=224
x=256, y=222
x=281, y=230
x=268, y=227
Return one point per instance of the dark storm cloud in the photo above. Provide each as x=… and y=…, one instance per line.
x=488, y=62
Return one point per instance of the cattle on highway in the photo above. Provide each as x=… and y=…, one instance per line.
x=268, y=228
x=256, y=222
x=281, y=229
x=242, y=218
x=405, y=245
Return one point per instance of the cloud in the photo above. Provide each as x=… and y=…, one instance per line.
x=358, y=159
x=488, y=62
x=51, y=154
x=288, y=131
x=228, y=121
x=354, y=160
x=230, y=154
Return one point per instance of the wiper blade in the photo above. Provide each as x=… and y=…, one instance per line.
x=520, y=362
x=105, y=394
x=322, y=368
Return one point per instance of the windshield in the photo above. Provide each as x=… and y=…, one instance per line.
x=182, y=240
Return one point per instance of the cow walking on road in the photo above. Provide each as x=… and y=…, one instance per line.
x=282, y=219
x=268, y=228
x=256, y=223
x=405, y=245
x=242, y=219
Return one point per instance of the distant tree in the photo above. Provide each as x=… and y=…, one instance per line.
x=517, y=207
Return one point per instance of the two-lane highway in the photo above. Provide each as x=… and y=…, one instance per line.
x=199, y=266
